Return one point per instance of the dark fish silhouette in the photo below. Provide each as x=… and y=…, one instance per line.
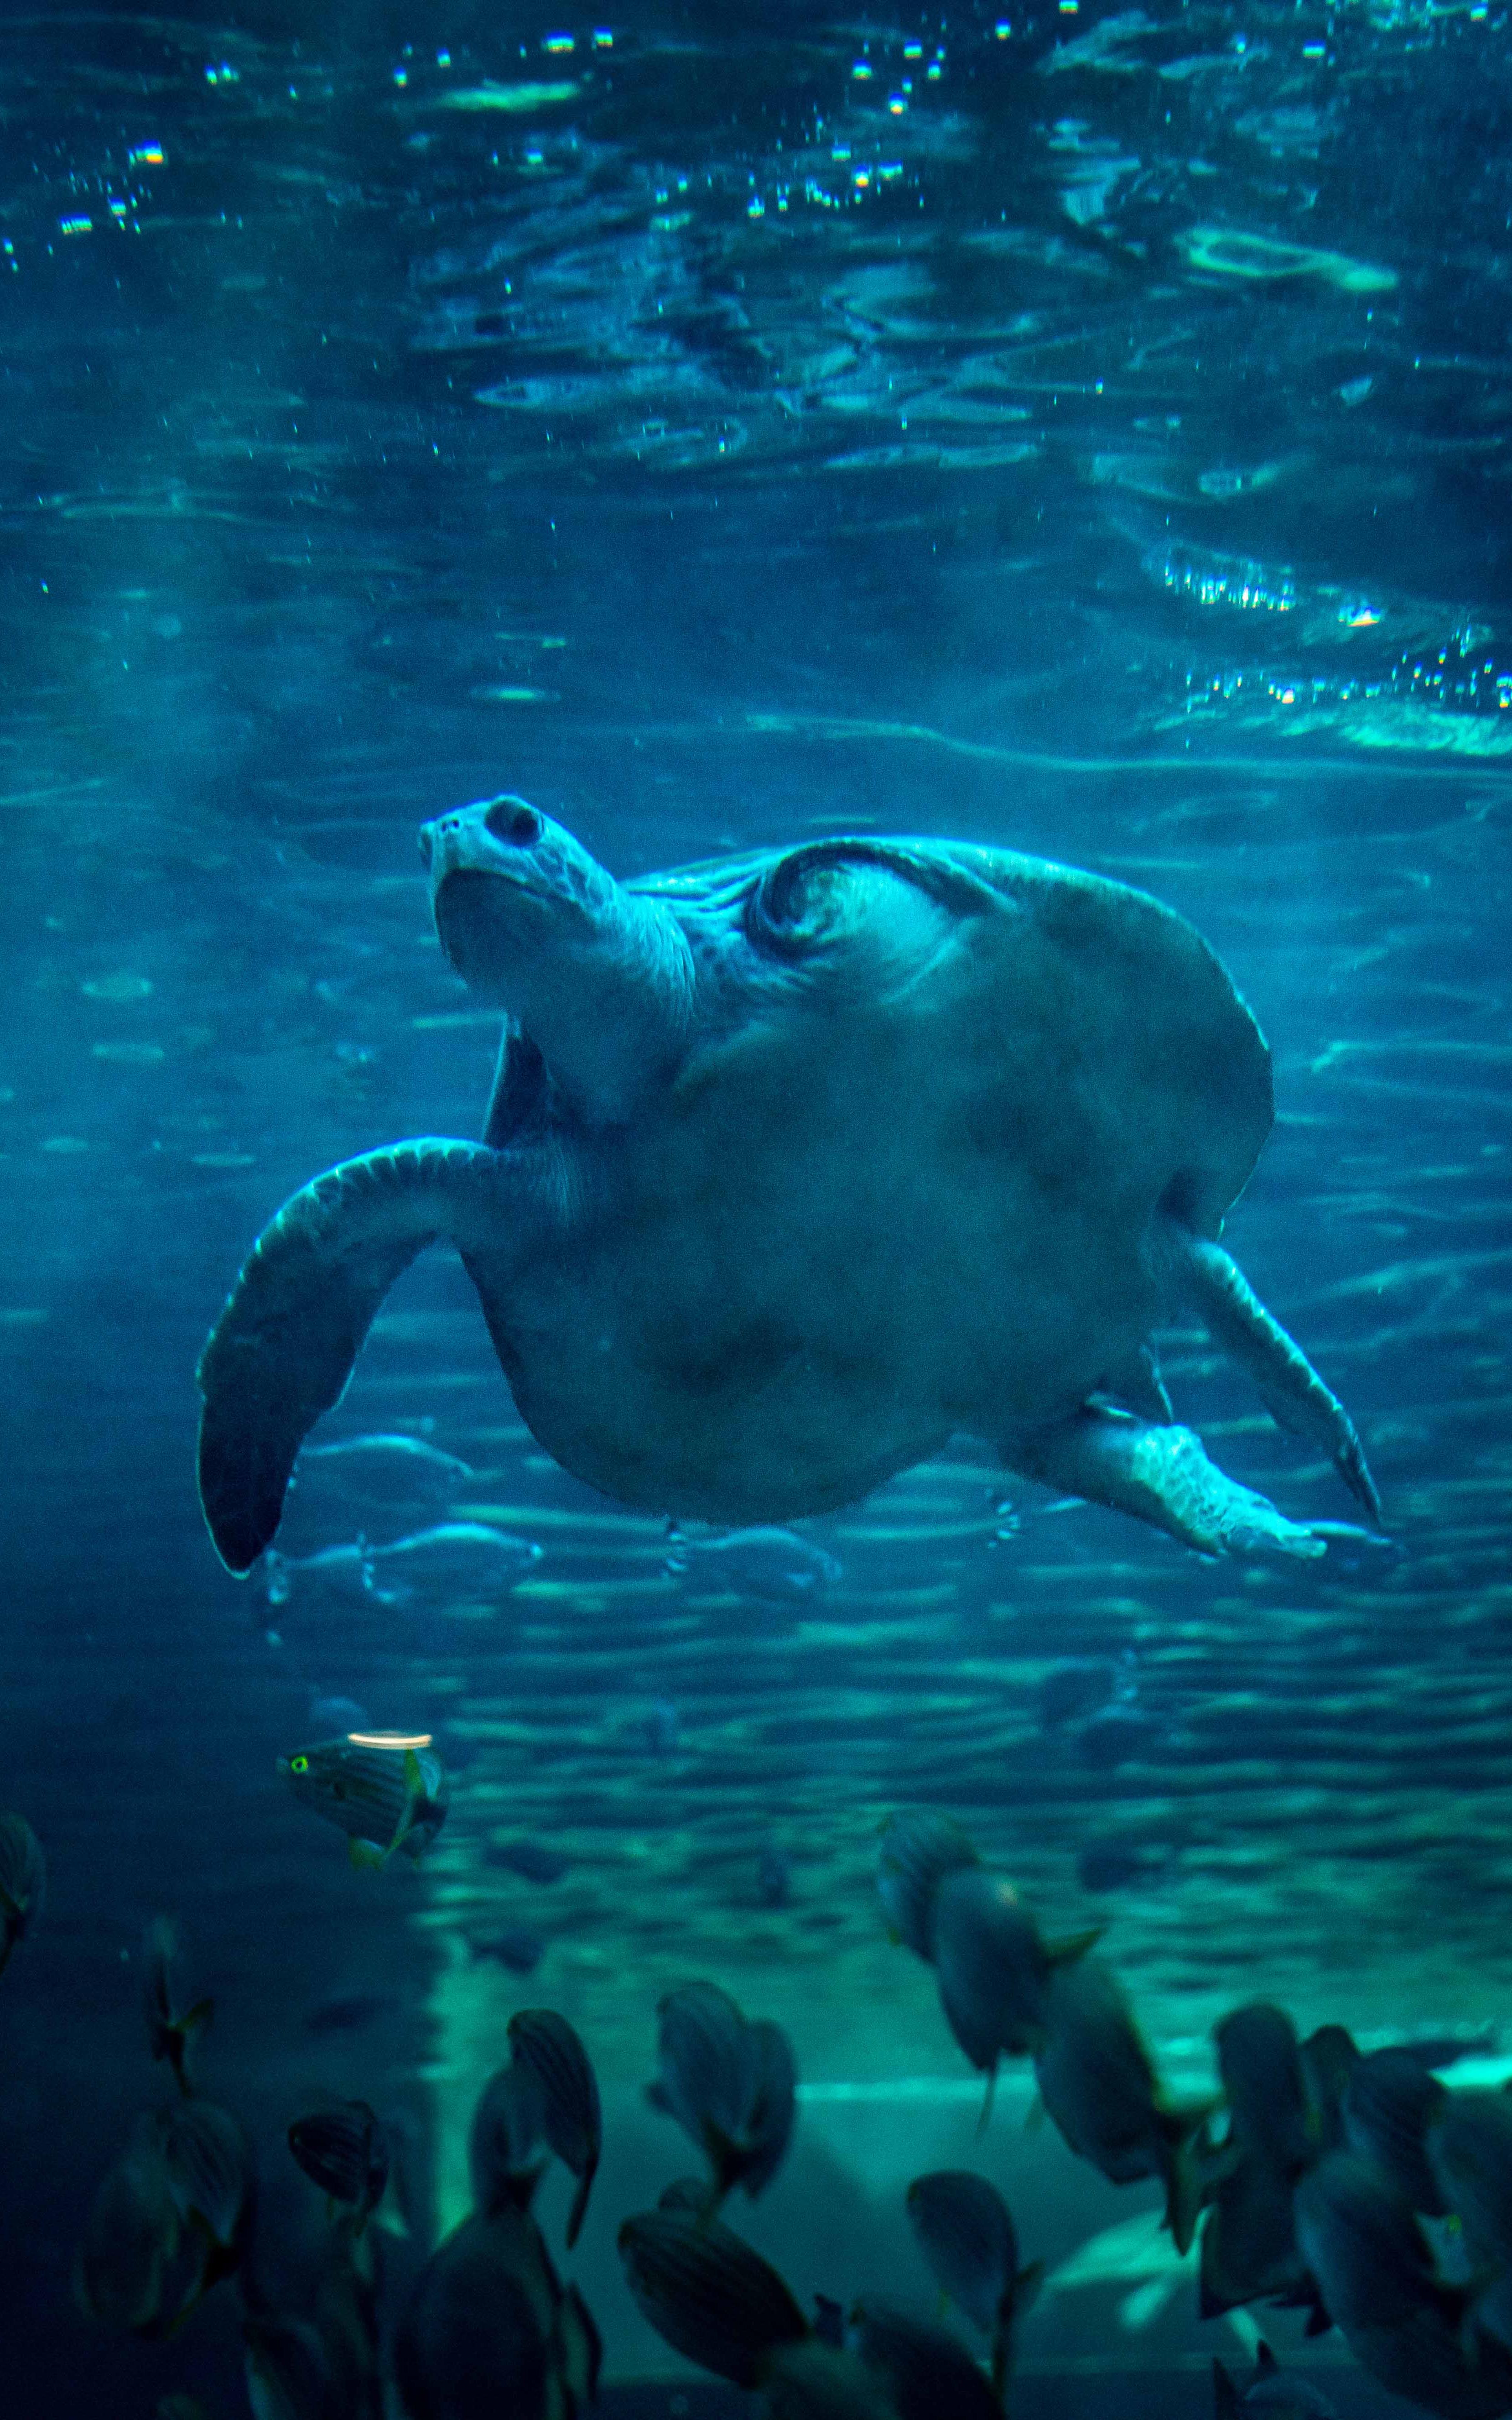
x=572, y=2119
x=1272, y=2393
x=23, y=1882
x=170, y=2035
x=531, y=1859
x=928, y=2374
x=967, y=2235
x=731, y=2084
x=1389, y=2102
x=346, y=2152
x=520, y=1951
x=917, y=1850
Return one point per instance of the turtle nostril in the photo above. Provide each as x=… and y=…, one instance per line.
x=424, y=840
x=512, y=820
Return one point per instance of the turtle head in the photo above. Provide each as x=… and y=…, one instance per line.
x=600, y=980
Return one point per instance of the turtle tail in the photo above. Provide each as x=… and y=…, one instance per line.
x=282, y=1351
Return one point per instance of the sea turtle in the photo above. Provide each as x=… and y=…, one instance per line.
x=795, y=1163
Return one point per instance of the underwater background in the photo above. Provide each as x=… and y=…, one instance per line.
x=1076, y=429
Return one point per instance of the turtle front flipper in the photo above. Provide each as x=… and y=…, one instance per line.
x=1160, y=1475
x=1291, y=1388
x=282, y=1351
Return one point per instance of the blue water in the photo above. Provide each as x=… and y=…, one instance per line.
x=1083, y=432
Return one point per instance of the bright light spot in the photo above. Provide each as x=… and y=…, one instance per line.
x=1288, y=697
x=1315, y=50
x=897, y=105
x=1362, y=618
x=401, y=77
x=1002, y=29
x=757, y=208
x=863, y=178
x=74, y=226
x=555, y=43
x=861, y=72
x=149, y=154
x=603, y=38
x=444, y=58
x=388, y=1739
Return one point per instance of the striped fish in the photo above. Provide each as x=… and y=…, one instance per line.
x=571, y=2116
x=386, y=1791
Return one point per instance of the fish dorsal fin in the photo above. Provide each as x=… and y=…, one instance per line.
x=1226, y=2396
x=415, y=1789
x=1025, y=2286
x=1074, y=1945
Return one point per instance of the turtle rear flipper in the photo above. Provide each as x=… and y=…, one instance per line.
x=1291, y=1388
x=282, y=1351
x=1160, y=1475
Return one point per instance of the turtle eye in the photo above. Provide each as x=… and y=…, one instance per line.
x=513, y=822
x=796, y=901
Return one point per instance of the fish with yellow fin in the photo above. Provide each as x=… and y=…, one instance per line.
x=385, y=1789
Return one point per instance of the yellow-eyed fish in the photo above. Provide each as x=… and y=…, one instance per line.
x=385, y=1789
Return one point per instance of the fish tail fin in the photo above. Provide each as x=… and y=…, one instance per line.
x=728, y=2161
x=1018, y=2294
x=179, y=2037
x=1184, y=2181
x=987, y=2099
x=582, y=2347
x=579, y=2207
x=365, y=1855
